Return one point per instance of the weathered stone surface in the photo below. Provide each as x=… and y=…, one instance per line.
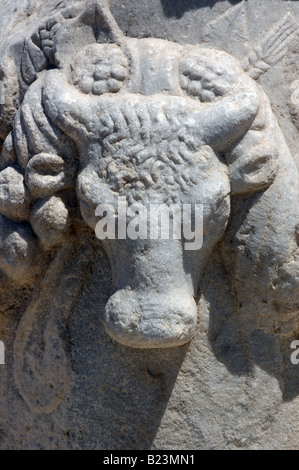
x=140, y=344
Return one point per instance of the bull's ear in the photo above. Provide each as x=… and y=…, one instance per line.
x=47, y=174
x=253, y=160
x=254, y=170
x=92, y=23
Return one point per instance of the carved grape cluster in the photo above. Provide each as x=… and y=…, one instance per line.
x=99, y=69
x=204, y=79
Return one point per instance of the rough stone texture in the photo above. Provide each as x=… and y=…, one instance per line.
x=160, y=101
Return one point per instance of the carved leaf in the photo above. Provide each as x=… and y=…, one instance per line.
x=273, y=47
x=41, y=357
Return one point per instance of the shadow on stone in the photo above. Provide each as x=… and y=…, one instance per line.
x=239, y=343
x=178, y=8
x=120, y=394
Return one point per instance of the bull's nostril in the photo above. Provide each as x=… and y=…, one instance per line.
x=148, y=320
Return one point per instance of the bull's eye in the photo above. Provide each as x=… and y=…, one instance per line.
x=99, y=69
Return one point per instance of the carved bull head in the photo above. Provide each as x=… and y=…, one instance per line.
x=151, y=121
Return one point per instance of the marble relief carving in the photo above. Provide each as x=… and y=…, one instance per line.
x=91, y=115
